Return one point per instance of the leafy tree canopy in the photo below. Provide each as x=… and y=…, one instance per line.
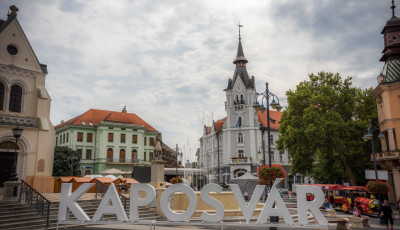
x=63, y=158
x=323, y=127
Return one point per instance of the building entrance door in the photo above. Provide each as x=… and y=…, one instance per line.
x=6, y=161
x=7, y=149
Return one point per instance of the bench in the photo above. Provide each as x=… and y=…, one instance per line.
x=365, y=221
x=341, y=223
x=356, y=222
x=331, y=213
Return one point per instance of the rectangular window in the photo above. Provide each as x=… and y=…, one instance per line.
x=122, y=138
x=89, y=137
x=56, y=140
x=63, y=138
x=145, y=141
x=88, y=154
x=67, y=137
x=134, y=139
x=80, y=136
x=110, y=137
x=79, y=153
x=151, y=141
x=151, y=156
x=241, y=153
x=144, y=156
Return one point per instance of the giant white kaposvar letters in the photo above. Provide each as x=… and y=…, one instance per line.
x=111, y=204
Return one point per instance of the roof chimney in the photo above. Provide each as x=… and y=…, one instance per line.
x=124, y=109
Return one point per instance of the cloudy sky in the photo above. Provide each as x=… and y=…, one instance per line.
x=169, y=61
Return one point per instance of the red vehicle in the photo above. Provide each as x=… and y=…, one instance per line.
x=357, y=196
x=333, y=193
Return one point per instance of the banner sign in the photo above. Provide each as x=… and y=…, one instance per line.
x=111, y=204
x=382, y=174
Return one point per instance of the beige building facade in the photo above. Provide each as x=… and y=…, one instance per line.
x=24, y=102
x=387, y=95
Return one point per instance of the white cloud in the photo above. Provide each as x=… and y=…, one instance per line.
x=169, y=61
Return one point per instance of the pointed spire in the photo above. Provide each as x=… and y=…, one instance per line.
x=393, y=6
x=240, y=55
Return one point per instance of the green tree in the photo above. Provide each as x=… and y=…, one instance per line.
x=323, y=127
x=63, y=158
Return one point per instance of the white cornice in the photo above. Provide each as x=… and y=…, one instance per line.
x=18, y=71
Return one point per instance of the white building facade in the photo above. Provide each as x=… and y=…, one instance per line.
x=233, y=145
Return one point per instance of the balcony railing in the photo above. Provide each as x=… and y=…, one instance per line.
x=240, y=160
x=389, y=155
x=125, y=161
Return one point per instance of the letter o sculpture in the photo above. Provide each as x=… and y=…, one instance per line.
x=166, y=209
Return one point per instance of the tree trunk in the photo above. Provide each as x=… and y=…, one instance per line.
x=350, y=173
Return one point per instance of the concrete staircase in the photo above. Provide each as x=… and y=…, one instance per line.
x=15, y=216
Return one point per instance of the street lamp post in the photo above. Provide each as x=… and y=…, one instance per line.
x=267, y=95
x=178, y=152
x=72, y=157
x=17, y=134
x=370, y=136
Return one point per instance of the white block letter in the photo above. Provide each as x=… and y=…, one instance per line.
x=247, y=210
x=314, y=205
x=68, y=201
x=174, y=216
x=137, y=202
x=219, y=208
x=116, y=207
x=281, y=210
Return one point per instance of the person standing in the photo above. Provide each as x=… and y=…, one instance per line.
x=290, y=194
x=388, y=214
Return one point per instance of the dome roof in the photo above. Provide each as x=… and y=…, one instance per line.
x=391, y=70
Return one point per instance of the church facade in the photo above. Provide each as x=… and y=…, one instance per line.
x=24, y=103
x=232, y=145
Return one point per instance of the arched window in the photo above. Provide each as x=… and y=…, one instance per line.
x=1, y=96
x=241, y=99
x=109, y=155
x=134, y=155
x=122, y=155
x=240, y=137
x=15, y=98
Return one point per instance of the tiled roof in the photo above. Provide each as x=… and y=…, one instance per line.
x=97, y=116
x=82, y=179
x=130, y=180
x=274, y=118
x=105, y=180
x=219, y=124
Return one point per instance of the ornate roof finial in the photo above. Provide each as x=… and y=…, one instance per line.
x=239, y=29
x=393, y=6
x=14, y=10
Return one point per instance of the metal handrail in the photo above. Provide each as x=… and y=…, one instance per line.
x=34, y=199
x=101, y=188
x=124, y=200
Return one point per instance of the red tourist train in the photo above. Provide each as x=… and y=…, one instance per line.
x=348, y=197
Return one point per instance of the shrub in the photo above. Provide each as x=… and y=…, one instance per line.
x=267, y=175
x=176, y=180
x=377, y=187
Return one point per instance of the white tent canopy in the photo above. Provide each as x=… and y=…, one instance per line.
x=247, y=182
x=113, y=171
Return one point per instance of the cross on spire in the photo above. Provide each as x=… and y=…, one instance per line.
x=393, y=6
x=239, y=30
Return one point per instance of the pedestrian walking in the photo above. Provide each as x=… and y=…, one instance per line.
x=398, y=206
x=290, y=194
x=388, y=214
